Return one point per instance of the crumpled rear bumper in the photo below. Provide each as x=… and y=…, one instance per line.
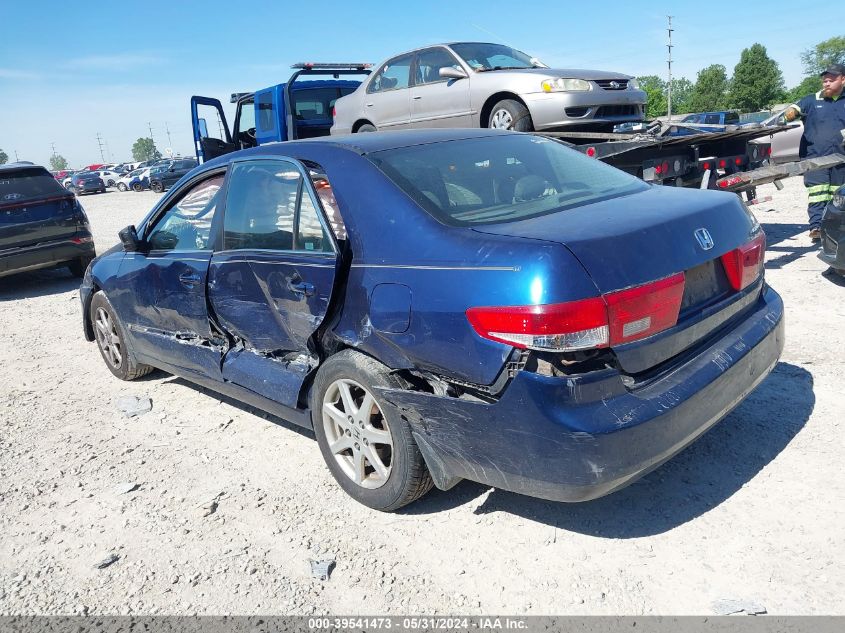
x=581, y=437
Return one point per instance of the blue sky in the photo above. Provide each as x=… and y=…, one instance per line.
x=69, y=71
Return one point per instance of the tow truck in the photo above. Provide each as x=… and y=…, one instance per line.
x=735, y=158
x=283, y=112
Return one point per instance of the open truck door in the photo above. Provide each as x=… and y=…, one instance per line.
x=211, y=132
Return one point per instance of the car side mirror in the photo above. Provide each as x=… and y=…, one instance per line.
x=450, y=72
x=130, y=240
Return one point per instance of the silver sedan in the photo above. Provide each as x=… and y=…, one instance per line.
x=471, y=84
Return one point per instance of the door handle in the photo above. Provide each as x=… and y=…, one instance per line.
x=417, y=98
x=189, y=278
x=302, y=288
x=369, y=105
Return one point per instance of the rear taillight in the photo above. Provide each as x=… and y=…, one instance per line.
x=334, y=112
x=612, y=319
x=744, y=265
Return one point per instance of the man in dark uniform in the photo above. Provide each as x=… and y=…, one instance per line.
x=824, y=122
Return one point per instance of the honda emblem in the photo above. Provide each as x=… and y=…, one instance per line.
x=705, y=241
x=615, y=85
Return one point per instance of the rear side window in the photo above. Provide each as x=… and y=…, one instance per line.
x=500, y=178
x=267, y=207
x=27, y=184
x=393, y=75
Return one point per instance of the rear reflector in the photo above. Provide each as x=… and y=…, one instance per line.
x=744, y=265
x=612, y=319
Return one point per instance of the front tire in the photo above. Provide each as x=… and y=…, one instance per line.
x=121, y=186
x=366, y=127
x=368, y=449
x=510, y=115
x=137, y=187
x=111, y=340
x=157, y=187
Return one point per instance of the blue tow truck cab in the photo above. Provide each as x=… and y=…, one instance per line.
x=284, y=112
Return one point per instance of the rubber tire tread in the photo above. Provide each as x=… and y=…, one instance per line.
x=130, y=367
x=78, y=266
x=519, y=113
x=368, y=371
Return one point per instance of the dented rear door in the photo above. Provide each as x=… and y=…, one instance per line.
x=271, y=283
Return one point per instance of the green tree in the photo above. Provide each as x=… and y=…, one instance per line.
x=681, y=93
x=145, y=149
x=710, y=90
x=810, y=85
x=824, y=54
x=57, y=162
x=757, y=82
x=4, y=157
x=655, y=89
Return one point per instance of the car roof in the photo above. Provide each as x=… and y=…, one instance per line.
x=20, y=165
x=363, y=143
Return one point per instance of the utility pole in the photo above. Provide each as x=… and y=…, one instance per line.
x=100, y=143
x=150, y=125
x=167, y=129
x=53, y=145
x=16, y=156
x=669, y=46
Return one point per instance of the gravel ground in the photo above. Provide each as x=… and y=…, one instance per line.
x=212, y=507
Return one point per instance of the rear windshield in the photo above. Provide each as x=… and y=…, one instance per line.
x=28, y=184
x=501, y=179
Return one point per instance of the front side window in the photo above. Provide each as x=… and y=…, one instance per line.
x=429, y=63
x=393, y=75
x=268, y=207
x=186, y=226
x=500, y=179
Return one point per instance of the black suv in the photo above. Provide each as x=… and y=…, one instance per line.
x=41, y=223
x=167, y=176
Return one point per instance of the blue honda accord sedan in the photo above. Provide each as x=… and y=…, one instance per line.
x=447, y=305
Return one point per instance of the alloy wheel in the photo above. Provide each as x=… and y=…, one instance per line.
x=107, y=338
x=357, y=433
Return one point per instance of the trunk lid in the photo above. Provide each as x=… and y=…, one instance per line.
x=634, y=239
x=640, y=238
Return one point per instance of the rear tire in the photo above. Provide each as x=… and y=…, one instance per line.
x=157, y=187
x=367, y=127
x=78, y=266
x=510, y=115
x=121, y=186
x=111, y=340
x=137, y=187
x=367, y=447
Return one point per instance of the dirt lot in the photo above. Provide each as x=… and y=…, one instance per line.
x=753, y=511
